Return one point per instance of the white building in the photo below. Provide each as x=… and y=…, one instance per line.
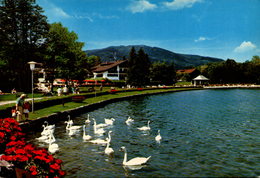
x=115, y=70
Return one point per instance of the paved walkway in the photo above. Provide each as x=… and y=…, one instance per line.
x=13, y=101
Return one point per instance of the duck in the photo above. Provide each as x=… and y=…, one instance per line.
x=109, y=121
x=135, y=161
x=158, y=137
x=98, y=131
x=88, y=120
x=85, y=137
x=53, y=147
x=144, y=128
x=129, y=121
x=109, y=150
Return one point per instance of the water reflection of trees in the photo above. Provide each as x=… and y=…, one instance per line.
x=138, y=107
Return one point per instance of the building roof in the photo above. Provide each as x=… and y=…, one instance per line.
x=200, y=77
x=186, y=71
x=107, y=65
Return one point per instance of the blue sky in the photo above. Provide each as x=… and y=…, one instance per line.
x=216, y=28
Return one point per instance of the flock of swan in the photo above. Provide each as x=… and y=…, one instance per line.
x=47, y=136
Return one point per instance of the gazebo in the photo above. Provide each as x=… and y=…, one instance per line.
x=200, y=80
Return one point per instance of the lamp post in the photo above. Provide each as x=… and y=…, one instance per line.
x=32, y=67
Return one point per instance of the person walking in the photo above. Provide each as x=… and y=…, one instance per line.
x=19, y=107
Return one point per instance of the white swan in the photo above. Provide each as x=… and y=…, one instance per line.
x=109, y=150
x=43, y=138
x=144, y=128
x=158, y=137
x=70, y=126
x=99, y=141
x=135, y=161
x=99, y=131
x=51, y=139
x=85, y=137
x=109, y=121
x=129, y=121
x=88, y=120
x=46, y=130
x=49, y=127
x=53, y=147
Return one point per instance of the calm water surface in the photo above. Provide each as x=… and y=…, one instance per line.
x=205, y=133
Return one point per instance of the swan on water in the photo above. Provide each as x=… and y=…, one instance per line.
x=51, y=138
x=45, y=130
x=109, y=150
x=49, y=127
x=109, y=121
x=158, y=137
x=53, y=147
x=70, y=125
x=85, y=137
x=88, y=120
x=99, y=141
x=129, y=121
x=99, y=131
x=135, y=161
x=145, y=127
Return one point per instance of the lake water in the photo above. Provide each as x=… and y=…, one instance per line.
x=204, y=133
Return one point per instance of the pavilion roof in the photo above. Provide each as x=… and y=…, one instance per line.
x=200, y=77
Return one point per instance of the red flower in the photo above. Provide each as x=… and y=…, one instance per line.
x=58, y=161
x=2, y=135
x=55, y=166
x=62, y=173
x=34, y=173
x=33, y=168
x=20, y=151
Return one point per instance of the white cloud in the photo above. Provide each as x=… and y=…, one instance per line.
x=141, y=6
x=59, y=12
x=201, y=39
x=245, y=47
x=180, y=4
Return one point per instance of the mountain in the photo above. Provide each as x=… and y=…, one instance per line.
x=181, y=61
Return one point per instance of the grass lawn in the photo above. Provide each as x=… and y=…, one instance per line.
x=70, y=105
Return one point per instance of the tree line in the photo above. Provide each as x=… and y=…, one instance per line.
x=230, y=71
x=27, y=36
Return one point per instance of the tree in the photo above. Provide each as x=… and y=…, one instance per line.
x=21, y=26
x=162, y=73
x=64, y=54
x=138, y=68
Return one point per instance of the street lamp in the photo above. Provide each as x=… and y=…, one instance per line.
x=32, y=67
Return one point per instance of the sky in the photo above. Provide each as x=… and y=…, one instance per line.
x=226, y=29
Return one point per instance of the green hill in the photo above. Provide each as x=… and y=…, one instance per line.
x=155, y=54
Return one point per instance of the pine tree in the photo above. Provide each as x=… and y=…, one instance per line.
x=138, y=68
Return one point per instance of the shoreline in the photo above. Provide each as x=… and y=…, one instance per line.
x=35, y=125
x=231, y=86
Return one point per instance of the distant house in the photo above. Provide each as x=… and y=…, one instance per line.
x=114, y=70
x=186, y=74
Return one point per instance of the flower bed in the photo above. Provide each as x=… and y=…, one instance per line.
x=112, y=91
x=15, y=150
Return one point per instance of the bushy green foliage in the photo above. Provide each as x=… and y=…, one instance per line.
x=230, y=71
x=22, y=25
